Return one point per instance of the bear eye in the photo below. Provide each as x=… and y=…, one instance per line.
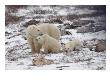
x=38, y=30
x=68, y=48
x=39, y=38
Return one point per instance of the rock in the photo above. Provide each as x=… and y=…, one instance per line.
x=59, y=21
x=91, y=27
x=63, y=30
x=13, y=59
x=88, y=28
x=6, y=42
x=72, y=26
x=24, y=38
x=99, y=28
x=41, y=61
x=90, y=44
x=11, y=19
x=67, y=24
x=72, y=17
x=100, y=68
x=68, y=33
x=83, y=29
x=91, y=47
x=7, y=33
x=82, y=22
x=31, y=22
x=100, y=47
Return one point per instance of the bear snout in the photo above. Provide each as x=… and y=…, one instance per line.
x=40, y=34
x=66, y=50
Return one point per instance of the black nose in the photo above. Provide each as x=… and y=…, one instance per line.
x=65, y=50
x=40, y=34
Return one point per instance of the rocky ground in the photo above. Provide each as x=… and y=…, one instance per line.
x=87, y=23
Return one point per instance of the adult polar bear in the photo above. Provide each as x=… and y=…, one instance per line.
x=33, y=31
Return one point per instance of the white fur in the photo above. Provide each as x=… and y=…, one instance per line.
x=33, y=31
x=49, y=43
x=71, y=45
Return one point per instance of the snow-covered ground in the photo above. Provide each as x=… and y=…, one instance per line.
x=18, y=54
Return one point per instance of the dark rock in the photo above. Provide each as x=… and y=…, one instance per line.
x=7, y=33
x=82, y=22
x=6, y=42
x=90, y=28
x=39, y=11
x=91, y=47
x=63, y=31
x=61, y=69
x=59, y=21
x=31, y=22
x=84, y=29
x=100, y=47
x=13, y=59
x=24, y=38
x=99, y=28
x=72, y=17
x=66, y=24
x=79, y=23
x=68, y=33
x=12, y=19
x=72, y=26
x=100, y=68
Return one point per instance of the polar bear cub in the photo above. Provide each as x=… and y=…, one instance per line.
x=72, y=45
x=33, y=31
x=49, y=43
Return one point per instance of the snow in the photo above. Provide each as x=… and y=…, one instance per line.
x=18, y=54
x=62, y=60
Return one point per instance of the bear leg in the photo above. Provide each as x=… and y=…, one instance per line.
x=46, y=50
x=31, y=43
x=37, y=46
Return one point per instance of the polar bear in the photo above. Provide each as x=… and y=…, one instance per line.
x=33, y=31
x=49, y=44
x=72, y=45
